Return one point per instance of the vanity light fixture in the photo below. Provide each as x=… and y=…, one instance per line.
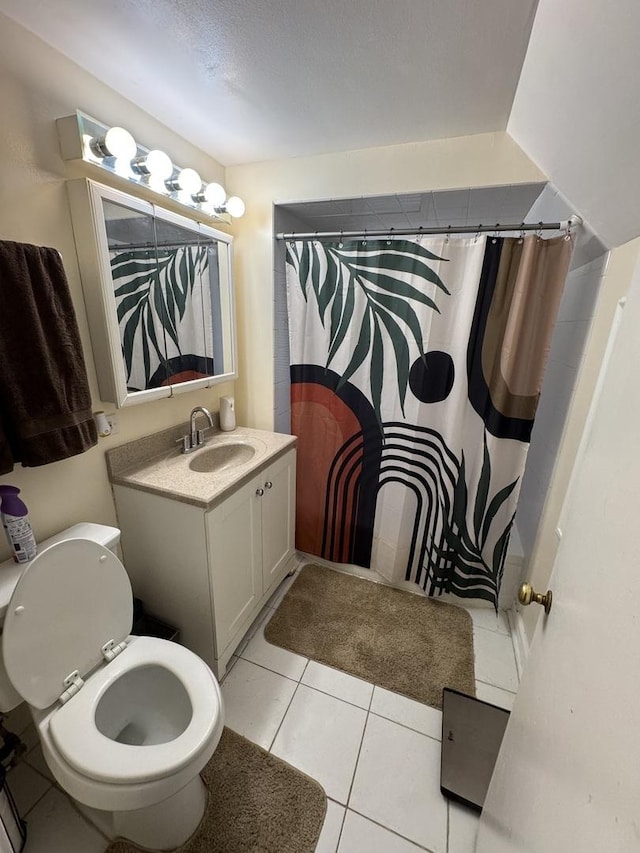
x=116, y=151
x=187, y=180
x=116, y=142
x=214, y=194
x=234, y=206
x=156, y=164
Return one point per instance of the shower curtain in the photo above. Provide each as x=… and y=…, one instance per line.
x=416, y=367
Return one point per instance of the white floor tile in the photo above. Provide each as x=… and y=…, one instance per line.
x=360, y=835
x=27, y=787
x=407, y=712
x=486, y=617
x=463, y=828
x=338, y=684
x=397, y=783
x=321, y=736
x=495, y=660
x=495, y=695
x=330, y=835
x=275, y=658
x=36, y=760
x=56, y=827
x=256, y=701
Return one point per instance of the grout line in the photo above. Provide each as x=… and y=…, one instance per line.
x=392, y=831
x=355, y=766
x=41, y=797
x=505, y=689
x=272, y=671
x=405, y=726
x=491, y=630
x=283, y=719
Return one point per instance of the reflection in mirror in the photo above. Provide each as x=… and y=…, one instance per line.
x=166, y=285
x=159, y=295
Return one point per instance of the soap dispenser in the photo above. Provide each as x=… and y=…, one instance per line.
x=227, y=414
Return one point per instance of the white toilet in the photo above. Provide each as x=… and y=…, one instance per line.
x=126, y=723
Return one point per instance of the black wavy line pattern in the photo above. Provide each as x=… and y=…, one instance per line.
x=419, y=459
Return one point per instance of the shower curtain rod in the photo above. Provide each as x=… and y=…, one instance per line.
x=565, y=225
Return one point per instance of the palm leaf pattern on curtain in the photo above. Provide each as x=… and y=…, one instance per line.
x=343, y=275
x=464, y=545
x=152, y=298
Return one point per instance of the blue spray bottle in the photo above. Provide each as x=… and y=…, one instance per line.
x=17, y=527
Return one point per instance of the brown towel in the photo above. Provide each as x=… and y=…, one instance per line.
x=45, y=404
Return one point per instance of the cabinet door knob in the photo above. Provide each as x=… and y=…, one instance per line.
x=259, y=492
x=268, y=484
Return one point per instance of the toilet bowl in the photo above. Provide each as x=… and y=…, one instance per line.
x=126, y=723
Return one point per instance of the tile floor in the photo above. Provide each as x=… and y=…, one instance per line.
x=377, y=754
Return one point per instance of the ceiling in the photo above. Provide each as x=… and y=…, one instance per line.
x=249, y=80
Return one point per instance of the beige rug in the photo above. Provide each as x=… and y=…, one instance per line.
x=257, y=804
x=398, y=640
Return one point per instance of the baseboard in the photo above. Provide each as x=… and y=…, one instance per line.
x=519, y=639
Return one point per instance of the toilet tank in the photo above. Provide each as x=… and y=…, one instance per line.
x=10, y=573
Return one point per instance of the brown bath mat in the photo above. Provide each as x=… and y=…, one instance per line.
x=398, y=640
x=257, y=804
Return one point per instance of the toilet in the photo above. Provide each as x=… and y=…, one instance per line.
x=126, y=723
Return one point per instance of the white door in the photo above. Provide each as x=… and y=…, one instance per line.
x=568, y=774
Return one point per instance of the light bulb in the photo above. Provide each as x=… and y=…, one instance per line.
x=189, y=181
x=235, y=206
x=155, y=164
x=117, y=142
x=214, y=194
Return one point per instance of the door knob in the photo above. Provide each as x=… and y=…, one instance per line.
x=526, y=595
x=268, y=484
x=259, y=492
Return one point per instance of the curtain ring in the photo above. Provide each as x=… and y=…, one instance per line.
x=446, y=239
x=475, y=239
x=391, y=230
x=521, y=238
x=539, y=231
x=568, y=235
x=340, y=244
x=494, y=239
x=364, y=242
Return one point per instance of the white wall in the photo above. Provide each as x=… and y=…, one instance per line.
x=38, y=85
x=473, y=161
x=575, y=313
x=576, y=114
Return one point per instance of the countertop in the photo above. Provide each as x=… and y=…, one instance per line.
x=155, y=464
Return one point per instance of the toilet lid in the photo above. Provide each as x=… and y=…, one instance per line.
x=72, y=599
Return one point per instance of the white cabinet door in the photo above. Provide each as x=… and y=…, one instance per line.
x=234, y=544
x=278, y=516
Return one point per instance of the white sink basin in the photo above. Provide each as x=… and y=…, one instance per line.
x=222, y=456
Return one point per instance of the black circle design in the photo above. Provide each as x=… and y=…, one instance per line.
x=431, y=377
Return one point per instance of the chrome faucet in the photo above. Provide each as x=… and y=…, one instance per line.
x=195, y=437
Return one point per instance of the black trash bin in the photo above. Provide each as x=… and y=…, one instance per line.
x=146, y=625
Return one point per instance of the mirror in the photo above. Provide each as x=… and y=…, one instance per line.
x=159, y=295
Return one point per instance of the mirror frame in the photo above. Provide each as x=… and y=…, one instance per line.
x=92, y=246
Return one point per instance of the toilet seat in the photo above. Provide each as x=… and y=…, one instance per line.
x=75, y=735
x=72, y=599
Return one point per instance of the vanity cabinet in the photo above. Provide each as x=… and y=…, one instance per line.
x=251, y=531
x=210, y=571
